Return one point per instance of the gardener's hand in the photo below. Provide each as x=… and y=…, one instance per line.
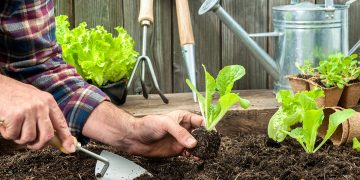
x=164, y=135
x=29, y=116
x=155, y=135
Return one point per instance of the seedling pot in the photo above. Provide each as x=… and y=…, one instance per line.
x=298, y=84
x=116, y=91
x=332, y=95
x=351, y=95
x=345, y=132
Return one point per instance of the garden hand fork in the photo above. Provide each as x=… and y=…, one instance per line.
x=146, y=19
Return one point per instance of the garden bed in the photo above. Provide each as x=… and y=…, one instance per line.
x=246, y=152
x=245, y=157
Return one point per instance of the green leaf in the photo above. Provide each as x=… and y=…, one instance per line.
x=224, y=104
x=335, y=120
x=298, y=134
x=356, y=145
x=201, y=98
x=311, y=123
x=210, y=86
x=227, y=77
x=277, y=126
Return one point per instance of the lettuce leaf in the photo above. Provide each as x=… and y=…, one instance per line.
x=223, y=84
x=356, y=144
x=95, y=53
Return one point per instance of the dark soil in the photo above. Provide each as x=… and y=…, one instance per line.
x=208, y=143
x=319, y=82
x=304, y=76
x=354, y=81
x=244, y=157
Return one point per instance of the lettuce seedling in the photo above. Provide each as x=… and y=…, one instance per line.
x=331, y=71
x=223, y=84
x=306, y=135
x=356, y=145
x=306, y=69
x=292, y=111
x=351, y=68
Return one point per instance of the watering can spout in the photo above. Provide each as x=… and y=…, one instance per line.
x=264, y=59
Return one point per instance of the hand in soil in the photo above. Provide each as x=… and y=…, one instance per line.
x=208, y=143
x=164, y=135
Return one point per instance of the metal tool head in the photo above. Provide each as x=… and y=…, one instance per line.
x=207, y=6
x=188, y=51
x=120, y=168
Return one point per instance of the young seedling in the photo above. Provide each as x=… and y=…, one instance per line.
x=301, y=108
x=351, y=68
x=213, y=113
x=291, y=112
x=307, y=134
x=331, y=71
x=307, y=70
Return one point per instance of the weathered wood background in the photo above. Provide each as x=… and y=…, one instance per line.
x=216, y=45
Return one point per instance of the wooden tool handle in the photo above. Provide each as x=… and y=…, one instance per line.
x=184, y=22
x=56, y=142
x=146, y=11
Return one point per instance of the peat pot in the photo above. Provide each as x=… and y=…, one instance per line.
x=302, y=31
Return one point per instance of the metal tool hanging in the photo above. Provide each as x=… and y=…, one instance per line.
x=146, y=18
x=187, y=41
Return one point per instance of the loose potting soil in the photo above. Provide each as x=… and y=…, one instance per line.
x=242, y=157
x=304, y=76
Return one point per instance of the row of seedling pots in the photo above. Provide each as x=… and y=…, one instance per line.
x=338, y=76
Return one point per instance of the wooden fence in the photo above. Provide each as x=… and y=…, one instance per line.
x=216, y=45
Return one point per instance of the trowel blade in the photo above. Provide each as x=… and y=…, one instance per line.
x=120, y=168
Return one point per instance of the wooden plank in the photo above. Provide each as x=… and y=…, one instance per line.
x=207, y=47
x=108, y=13
x=252, y=15
x=354, y=26
x=160, y=45
x=65, y=7
x=138, y=106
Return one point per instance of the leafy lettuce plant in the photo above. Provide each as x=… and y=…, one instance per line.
x=356, y=145
x=292, y=111
x=306, y=135
x=351, y=68
x=331, y=71
x=95, y=53
x=223, y=84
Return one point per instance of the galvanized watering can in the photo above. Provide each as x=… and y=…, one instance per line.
x=302, y=31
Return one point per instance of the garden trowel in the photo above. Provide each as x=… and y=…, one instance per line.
x=109, y=166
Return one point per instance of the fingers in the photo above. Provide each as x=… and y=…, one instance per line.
x=28, y=130
x=45, y=130
x=11, y=127
x=61, y=128
x=180, y=134
x=194, y=120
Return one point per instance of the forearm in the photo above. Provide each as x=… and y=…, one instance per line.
x=110, y=125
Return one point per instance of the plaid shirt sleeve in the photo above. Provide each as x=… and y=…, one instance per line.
x=29, y=53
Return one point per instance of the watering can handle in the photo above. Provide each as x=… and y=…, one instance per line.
x=184, y=22
x=56, y=142
x=146, y=14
